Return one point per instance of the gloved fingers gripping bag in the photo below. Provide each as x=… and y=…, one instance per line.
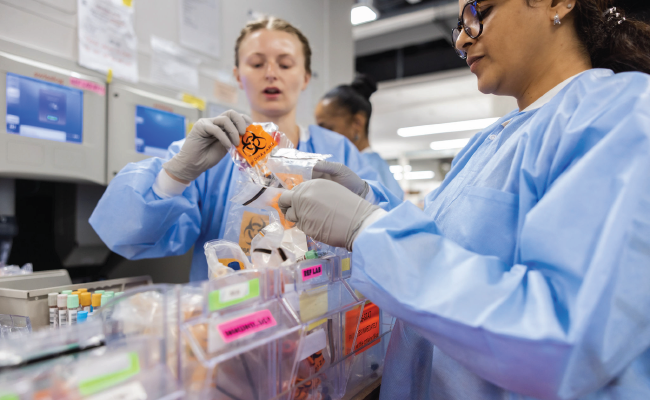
x=324, y=306
x=255, y=148
x=245, y=342
x=267, y=249
x=293, y=167
x=224, y=257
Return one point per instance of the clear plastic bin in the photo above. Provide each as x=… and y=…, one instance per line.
x=327, y=309
x=367, y=364
x=129, y=367
x=243, y=344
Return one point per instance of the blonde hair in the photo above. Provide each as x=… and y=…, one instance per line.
x=274, y=24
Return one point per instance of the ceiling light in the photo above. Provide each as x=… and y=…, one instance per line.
x=449, y=144
x=362, y=13
x=410, y=176
x=398, y=168
x=475, y=124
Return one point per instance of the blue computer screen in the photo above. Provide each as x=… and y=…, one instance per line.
x=155, y=130
x=43, y=110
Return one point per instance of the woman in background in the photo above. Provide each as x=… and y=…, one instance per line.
x=346, y=109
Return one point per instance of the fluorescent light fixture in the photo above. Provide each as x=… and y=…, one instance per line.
x=411, y=176
x=475, y=124
x=398, y=168
x=362, y=13
x=449, y=144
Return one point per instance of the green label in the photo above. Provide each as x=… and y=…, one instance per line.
x=99, y=383
x=9, y=397
x=233, y=294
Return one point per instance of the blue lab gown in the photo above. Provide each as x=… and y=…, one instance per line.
x=527, y=275
x=383, y=170
x=135, y=223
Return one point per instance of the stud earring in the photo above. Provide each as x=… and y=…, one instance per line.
x=569, y=6
x=557, y=21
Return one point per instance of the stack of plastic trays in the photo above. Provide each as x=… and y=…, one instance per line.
x=244, y=343
x=371, y=343
x=327, y=308
x=147, y=311
x=128, y=368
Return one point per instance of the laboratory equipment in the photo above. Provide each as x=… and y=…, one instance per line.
x=55, y=122
x=143, y=121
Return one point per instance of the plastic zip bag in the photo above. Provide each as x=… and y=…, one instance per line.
x=267, y=250
x=255, y=149
x=293, y=167
x=262, y=197
x=224, y=257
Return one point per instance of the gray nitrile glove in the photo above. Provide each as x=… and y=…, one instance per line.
x=342, y=175
x=207, y=143
x=326, y=211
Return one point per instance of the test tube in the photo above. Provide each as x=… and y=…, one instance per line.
x=85, y=300
x=66, y=292
x=118, y=293
x=51, y=302
x=112, y=293
x=83, y=290
x=99, y=291
x=97, y=302
x=106, y=297
x=73, y=309
x=62, y=305
x=82, y=316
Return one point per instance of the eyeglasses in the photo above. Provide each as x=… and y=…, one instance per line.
x=471, y=22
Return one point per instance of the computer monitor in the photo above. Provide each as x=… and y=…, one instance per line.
x=55, y=122
x=143, y=124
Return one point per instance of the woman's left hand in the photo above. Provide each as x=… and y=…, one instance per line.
x=326, y=211
x=339, y=173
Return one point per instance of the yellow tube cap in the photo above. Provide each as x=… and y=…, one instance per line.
x=97, y=299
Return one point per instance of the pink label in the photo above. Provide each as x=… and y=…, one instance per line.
x=88, y=85
x=312, y=272
x=246, y=325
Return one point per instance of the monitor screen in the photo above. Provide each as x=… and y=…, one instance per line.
x=155, y=130
x=43, y=110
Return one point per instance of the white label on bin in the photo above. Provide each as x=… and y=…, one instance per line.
x=130, y=391
x=72, y=317
x=233, y=292
x=63, y=317
x=314, y=342
x=53, y=319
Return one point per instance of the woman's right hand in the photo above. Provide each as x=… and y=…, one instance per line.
x=206, y=144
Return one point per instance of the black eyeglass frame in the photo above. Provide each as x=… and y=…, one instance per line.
x=461, y=25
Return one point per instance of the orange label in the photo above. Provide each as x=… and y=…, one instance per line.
x=290, y=180
x=251, y=225
x=232, y=263
x=368, y=327
x=286, y=224
x=255, y=144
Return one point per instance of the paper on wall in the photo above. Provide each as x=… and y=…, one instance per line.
x=173, y=66
x=200, y=26
x=107, y=40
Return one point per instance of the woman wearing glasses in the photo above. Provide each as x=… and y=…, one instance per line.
x=528, y=273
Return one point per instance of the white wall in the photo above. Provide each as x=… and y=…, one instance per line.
x=51, y=26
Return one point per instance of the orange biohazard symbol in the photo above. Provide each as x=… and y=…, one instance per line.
x=251, y=225
x=256, y=144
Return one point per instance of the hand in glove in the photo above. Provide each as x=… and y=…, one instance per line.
x=342, y=175
x=326, y=211
x=207, y=144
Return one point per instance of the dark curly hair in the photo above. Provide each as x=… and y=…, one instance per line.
x=619, y=47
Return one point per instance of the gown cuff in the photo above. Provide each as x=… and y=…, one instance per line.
x=370, y=196
x=372, y=218
x=166, y=187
